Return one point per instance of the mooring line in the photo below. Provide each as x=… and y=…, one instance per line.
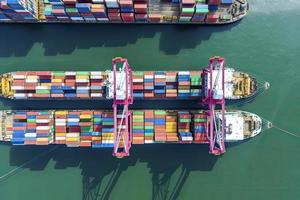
x=15, y=170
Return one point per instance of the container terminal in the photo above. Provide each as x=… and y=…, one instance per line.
x=124, y=11
x=120, y=128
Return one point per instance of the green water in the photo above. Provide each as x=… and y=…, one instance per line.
x=266, y=43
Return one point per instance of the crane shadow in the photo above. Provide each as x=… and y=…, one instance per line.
x=101, y=172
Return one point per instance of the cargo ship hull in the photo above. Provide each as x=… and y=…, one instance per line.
x=209, y=12
x=94, y=128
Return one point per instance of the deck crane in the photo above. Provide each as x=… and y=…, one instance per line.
x=122, y=98
x=214, y=96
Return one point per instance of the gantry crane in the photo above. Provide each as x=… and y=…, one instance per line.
x=122, y=98
x=214, y=96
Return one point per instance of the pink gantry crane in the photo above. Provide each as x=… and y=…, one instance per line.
x=214, y=96
x=122, y=98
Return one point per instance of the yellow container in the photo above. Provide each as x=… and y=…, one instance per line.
x=62, y=112
x=72, y=139
x=85, y=116
x=42, y=139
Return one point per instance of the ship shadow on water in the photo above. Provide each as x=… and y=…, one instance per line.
x=65, y=38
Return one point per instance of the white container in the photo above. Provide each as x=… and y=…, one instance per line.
x=82, y=80
x=18, y=77
x=42, y=120
x=30, y=134
x=60, y=123
x=16, y=87
x=148, y=76
x=70, y=73
x=160, y=76
x=94, y=73
x=42, y=128
x=60, y=138
x=20, y=95
x=73, y=135
x=96, y=77
x=60, y=120
x=184, y=73
x=96, y=95
x=73, y=119
x=39, y=87
x=138, y=80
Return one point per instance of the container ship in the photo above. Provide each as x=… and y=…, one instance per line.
x=145, y=85
x=120, y=128
x=124, y=11
x=95, y=128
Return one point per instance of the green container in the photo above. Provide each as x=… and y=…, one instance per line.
x=97, y=119
x=185, y=120
x=159, y=112
x=108, y=123
x=82, y=73
x=86, y=129
x=138, y=112
x=39, y=91
x=149, y=134
x=31, y=120
x=57, y=73
x=138, y=73
x=138, y=127
x=138, y=120
x=149, y=127
x=188, y=10
x=200, y=120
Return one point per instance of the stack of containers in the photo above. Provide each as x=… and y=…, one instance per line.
x=57, y=83
x=55, y=10
x=97, y=84
x=44, y=127
x=72, y=11
x=127, y=10
x=86, y=128
x=85, y=10
x=73, y=134
x=200, y=11
x=99, y=12
x=149, y=126
x=70, y=83
x=138, y=127
x=83, y=84
x=43, y=86
x=4, y=9
x=140, y=9
x=154, y=17
x=97, y=122
x=113, y=10
x=19, y=10
x=31, y=81
x=159, y=84
x=196, y=84
x=199, y=127
x=107, y=129
x=184, y=123
x=30, y=135
x=184, y=84
x=60, y=126
x=138, y=84
x=171, y=126
x=19, y=127
x=171, y=84
x=213, y=6
x=160, y=125
x=187, y=10
x=149, y=85
x=18, y=87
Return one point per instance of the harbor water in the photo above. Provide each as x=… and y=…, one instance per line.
x=266, y=44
